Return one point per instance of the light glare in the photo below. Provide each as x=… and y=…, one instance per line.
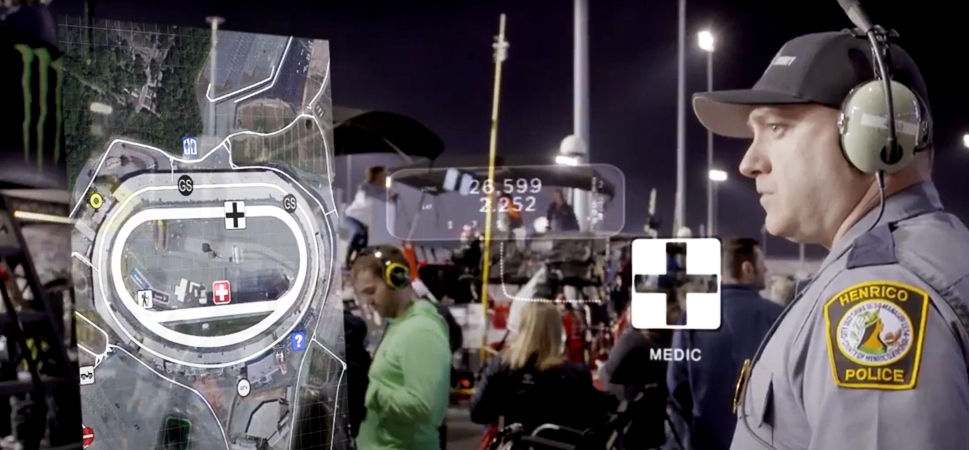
x=705, y=40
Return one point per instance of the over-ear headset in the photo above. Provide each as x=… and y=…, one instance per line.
x=396, y=275
x=869, y=142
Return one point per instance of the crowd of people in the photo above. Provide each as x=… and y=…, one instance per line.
x=555, y=367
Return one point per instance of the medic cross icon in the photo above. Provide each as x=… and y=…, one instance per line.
x=220, y=293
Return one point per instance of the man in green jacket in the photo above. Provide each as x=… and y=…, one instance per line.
x=410, y=375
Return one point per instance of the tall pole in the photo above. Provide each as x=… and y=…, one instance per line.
x=801, y=259
x=580, y=101
x=501, y=53
x=679, y=220
x=215, y=21
x=711, y=190
x=713, y=210
x=763, y=240
x=350, y=192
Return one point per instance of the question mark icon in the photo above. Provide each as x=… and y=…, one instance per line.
x=297, y=340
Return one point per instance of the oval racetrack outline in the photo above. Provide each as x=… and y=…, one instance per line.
x=151, y=319
x=144, y=317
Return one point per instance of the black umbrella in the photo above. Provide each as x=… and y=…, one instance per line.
x=384, y=132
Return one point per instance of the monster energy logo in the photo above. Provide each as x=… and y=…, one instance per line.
x=44, y=64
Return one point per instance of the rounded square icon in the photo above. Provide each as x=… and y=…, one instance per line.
x=87, y=375
x=190, y=146
x=145, y=298
x=235, y=215
x=221, y=293
x=663, y=270
x=298, y=341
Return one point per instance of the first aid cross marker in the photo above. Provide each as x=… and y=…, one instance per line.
x=700, y=284
x=672, y=272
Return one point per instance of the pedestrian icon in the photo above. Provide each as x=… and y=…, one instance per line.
x=145, y=299
x=235, y=215
x=289, y=203
x=87, y=375
x=297, y=341
x=221, y=293
x=190, y=146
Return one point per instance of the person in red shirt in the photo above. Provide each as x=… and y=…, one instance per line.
x=574, y=339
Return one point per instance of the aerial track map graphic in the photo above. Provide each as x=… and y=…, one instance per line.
x=206, y=307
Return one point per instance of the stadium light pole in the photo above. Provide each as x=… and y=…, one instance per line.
x=580, y=102
x=680, y=209
x=714, y=178
x=706, y=42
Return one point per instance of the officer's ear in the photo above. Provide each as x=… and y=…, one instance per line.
x=747, y=269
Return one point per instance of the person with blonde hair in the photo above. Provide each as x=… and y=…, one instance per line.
x=532, y=383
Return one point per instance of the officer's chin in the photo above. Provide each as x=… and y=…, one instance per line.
x=780, y=225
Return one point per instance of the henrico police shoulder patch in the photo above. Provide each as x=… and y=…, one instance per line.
x=874, y=332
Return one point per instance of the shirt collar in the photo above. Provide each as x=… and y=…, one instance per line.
x=915, y=200
x=740, y=287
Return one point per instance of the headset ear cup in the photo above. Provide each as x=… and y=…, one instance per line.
x=863, y=135
x=397, y=276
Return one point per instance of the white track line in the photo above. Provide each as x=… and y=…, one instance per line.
x=279, y=69
x=98, y=357
x=84, y=260
x=208, y=92
x=149, y=318
x=197, y=341
x=336, y=396
x=319, y=93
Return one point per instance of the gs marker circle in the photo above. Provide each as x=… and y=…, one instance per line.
x=289, y=203
x=185, y=185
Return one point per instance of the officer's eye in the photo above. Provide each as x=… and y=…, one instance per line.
x=776, y=128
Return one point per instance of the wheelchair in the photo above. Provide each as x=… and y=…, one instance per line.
x=648, y=410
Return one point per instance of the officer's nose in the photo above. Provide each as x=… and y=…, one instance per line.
x=756, y=161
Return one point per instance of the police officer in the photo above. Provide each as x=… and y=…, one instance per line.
x=872, y=352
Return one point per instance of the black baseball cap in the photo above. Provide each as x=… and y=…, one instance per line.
x=819, y=68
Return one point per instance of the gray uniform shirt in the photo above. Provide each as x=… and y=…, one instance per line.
x=872, y=352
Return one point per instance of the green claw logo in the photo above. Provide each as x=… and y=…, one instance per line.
x=44, y=66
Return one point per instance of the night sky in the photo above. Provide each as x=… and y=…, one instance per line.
x=434, y=63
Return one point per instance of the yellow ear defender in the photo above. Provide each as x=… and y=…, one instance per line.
x=397, y=276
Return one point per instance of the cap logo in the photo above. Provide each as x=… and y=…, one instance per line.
x=783, y=60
